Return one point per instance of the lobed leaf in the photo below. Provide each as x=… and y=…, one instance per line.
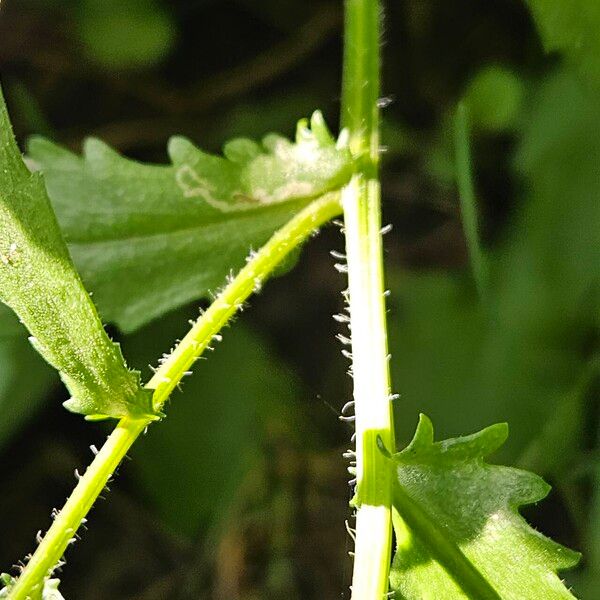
x=149, y=238
x=460, y=534
x=39, y=282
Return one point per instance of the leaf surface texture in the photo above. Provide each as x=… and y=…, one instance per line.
x=149, y=238
x=39, y=282
x=461, y=535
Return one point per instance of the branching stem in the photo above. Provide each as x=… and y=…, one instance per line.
x=362, y=222
x=259, y=266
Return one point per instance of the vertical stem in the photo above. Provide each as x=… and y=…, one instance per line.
x=466, y=191
x=361, y=202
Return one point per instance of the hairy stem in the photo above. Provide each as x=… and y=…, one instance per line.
x=166, y=378
x=468, y=203
x=362, y=221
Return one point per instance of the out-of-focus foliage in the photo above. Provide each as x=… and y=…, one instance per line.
x=494, y=99
x=518, y=354
x=24, y=384
x=125, y=34
x=571, y=27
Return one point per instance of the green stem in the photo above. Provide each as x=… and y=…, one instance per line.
x=468, y=202
x=166, y=378
x=362, y=222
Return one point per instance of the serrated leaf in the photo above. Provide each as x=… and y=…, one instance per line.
x=460, y=535
x=39, y=282
x=149, y=238
x=572, y=28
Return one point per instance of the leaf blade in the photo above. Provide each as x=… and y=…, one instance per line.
x=39, y=282
x=150, y=238
x=487, y=550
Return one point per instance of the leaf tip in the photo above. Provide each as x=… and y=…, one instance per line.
x=178, y=147
x=94, y=148
x=320, y=129
x=423, y=435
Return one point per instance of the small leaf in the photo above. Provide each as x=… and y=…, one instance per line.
x=253, y=176
x=149, y=238
x=459, y=533
x=39, y=282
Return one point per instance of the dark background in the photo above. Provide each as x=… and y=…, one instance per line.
x=242, y=491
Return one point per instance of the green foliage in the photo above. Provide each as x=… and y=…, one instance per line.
x=460, y=535
x=494, y=100
x=24, y=376
x=149, y=238
x=547, y=272
x=125, y=34
x=571, y=28
x=519, y=355
x=39, y=282
x=437, y=333
x=9, y=323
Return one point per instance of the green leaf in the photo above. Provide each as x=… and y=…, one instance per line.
x=572, y=28
x=149, y=238
x=39, y=282
x=460, y=535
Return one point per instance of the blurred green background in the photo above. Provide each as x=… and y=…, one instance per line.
x=242, y=492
